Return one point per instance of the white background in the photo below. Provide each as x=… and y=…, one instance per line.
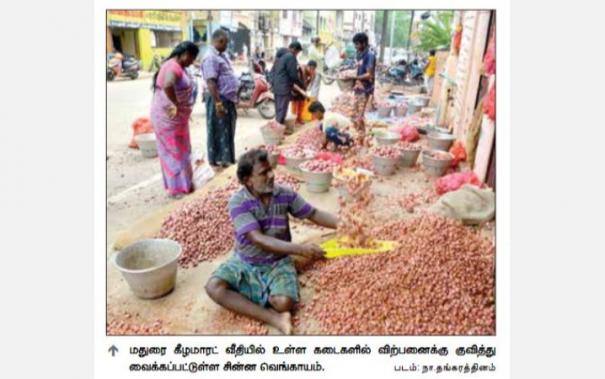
x=47, y=190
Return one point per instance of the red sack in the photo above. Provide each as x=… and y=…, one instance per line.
x=281, y=160
x=454, y=181
x=457, y=39
x=410, y=134
x=458, y=152
x=489, y=61
x=330, y=157
x=489, y=106
x=141, y=125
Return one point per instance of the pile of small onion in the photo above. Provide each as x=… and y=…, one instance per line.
x=439, y=281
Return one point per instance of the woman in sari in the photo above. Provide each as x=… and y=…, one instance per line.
x=170, y=111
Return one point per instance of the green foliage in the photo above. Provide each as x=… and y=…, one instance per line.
x=436, y=32
x=402, y=27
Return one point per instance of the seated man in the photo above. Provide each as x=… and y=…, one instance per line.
x=259, y=280
x=332, y=125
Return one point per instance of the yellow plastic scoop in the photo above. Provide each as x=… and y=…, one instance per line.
x=334, y=249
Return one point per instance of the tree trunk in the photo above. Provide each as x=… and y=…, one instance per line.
x=383, y=34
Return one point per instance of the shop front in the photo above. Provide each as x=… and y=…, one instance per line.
x=145, y=34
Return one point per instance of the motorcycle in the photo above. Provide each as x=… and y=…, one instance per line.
x=395, y=74
x=402, y=74
x=254, y=92
x=130, y=68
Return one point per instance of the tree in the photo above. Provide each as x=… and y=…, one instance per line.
x=402, y=27
x=436, y=32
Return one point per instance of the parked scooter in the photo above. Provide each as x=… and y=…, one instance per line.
x=122, y=66
x=415, y=73
x=255, y=92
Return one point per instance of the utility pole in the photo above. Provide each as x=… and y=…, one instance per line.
x=407, y=48
x=385, y=20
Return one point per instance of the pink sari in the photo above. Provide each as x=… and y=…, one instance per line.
x=173, y=141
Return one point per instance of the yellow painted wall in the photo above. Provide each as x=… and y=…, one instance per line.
x=147, y=52
x=143, y=35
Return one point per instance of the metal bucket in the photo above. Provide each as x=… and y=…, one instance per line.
x=408, y=158
x=422, y=101
x=440, y=141
x=147, y=145
x=317, y=182
x=149, y=266
x=293, y=163
x=272, y=138
x=401, y=111
x=436, y=167
x=384, y=112
x=412, y=108
x=384, y=166
x=387, y=138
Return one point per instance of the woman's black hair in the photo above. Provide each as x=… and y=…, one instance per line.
x=246, y=162
x=361, y=38
x=180, y=49
x=316, y=106
x=432, y=52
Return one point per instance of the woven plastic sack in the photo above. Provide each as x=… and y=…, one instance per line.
x=470, y=204
x=453, y=182
x=141, y=125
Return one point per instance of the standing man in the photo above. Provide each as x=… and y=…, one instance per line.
x=364, y=86
x=259, y=280
x=316, y=55
x=284, y=77
x=429, y=72
x=221, y=115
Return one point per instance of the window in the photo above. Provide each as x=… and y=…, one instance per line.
x=165, y=39
x=284, y=14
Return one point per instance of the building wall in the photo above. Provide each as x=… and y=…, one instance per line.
x=327, y=27
x=141, y=23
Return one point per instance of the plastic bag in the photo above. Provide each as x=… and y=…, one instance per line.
x=489, y=61
x=489, y=106
x=202, y=172
x=141, y=125
x=410, y=134
x=330, y=157
x=458, y=152
x=453, y=182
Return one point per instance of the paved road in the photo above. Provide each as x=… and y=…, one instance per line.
x=134, y=184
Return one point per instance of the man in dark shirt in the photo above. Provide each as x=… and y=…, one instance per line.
x=284, y=76
x=364, y=86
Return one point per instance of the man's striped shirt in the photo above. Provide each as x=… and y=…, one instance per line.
x=248, y=213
